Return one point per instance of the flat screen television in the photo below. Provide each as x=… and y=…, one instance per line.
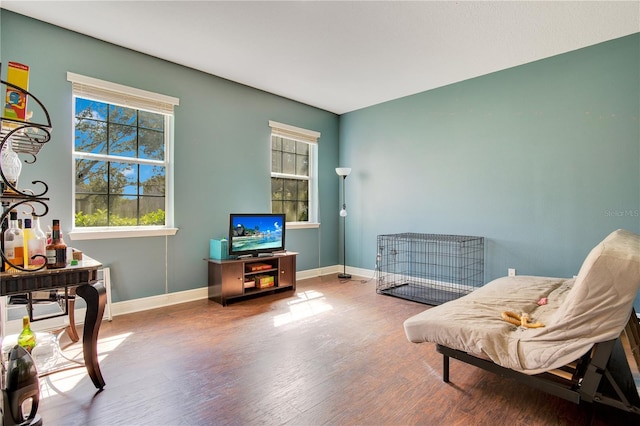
x=256, y=234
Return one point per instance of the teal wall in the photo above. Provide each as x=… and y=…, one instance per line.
x=222, y=155
x=543, y=160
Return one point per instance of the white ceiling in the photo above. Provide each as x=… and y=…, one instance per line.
x=344, y=55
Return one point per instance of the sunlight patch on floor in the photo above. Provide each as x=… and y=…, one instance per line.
x=65, y=380
x=308, y=304
x=61, y=382
x=111, y=343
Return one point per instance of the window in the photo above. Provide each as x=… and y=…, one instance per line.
x=121, y=151
x=293, y=172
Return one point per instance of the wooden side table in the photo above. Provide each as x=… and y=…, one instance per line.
x=83, y=278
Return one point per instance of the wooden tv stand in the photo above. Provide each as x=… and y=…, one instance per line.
x=235, y=279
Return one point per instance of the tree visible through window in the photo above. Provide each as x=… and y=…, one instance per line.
x=290, y=178
x=120, y=165
x=293, y=184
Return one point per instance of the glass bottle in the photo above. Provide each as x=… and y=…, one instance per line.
x=27, y=236
x=37, y=244
x=5, y=226
x=57, y=250
x=13, y=242
x=27, y=338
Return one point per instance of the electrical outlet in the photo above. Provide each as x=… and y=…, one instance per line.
x=512, y=272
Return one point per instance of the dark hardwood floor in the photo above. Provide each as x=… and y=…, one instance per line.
x=332, y=353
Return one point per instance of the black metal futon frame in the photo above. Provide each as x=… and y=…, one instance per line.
x=602, y=375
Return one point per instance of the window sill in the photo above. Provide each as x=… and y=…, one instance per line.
x=302, y=225
x=106, y=233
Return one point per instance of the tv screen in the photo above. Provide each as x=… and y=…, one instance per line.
x=253, y=234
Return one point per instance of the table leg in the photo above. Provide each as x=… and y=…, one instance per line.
x=95, y=295
x=71, y=306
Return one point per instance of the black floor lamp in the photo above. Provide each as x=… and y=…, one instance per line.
x=344, y=172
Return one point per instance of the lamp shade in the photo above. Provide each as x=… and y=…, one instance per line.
x=343, y=171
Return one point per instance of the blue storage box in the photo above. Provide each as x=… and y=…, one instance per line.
x=219, y=249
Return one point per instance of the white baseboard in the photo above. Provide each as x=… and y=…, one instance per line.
x=318, y=272
x=153, y=302
x=360, y=272
x=159, y=301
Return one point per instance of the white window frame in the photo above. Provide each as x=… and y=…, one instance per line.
x=117, y=94
x=310, y=137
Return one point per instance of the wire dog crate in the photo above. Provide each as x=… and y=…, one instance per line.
x=429, y=268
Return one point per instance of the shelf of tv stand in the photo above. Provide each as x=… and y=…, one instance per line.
x=226, y=278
